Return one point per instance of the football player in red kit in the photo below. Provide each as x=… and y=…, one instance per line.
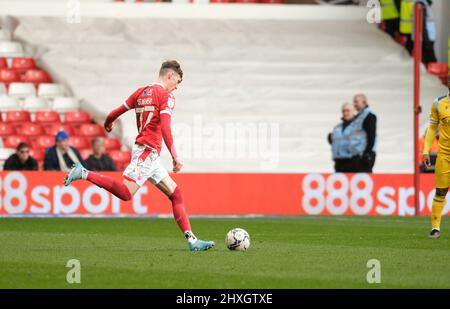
x=153, y=106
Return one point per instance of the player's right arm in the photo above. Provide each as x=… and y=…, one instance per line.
x=130, y=103
x=431, y=135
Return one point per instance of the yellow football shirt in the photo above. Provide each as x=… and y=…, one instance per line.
x=440, y=115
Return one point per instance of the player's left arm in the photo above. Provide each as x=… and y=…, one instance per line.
x=166, y=130
x=431, y=135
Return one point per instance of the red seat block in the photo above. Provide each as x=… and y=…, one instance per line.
x=112, y=143
x=43, y=142
x=7, y=129
x=47, y=117
x=3, y=63
x=12, y=141
x=53, y=128
x=22, y=64
x=31, y=129
x=17, y=116
x=8, y=76
x=38, y=154
x=77, y=117
x=79, y=142
x=85, y=153
x=36, y=77
x=122, y=157
x=92, y=130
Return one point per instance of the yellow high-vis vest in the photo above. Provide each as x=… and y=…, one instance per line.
x=406, y=16
x=388, y=9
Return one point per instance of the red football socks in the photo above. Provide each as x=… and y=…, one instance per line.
x=179, y=213
x=110, y=184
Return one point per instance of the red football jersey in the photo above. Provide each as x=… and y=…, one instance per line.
x=149, y=102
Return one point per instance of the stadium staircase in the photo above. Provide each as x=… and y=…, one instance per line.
x=33, y=109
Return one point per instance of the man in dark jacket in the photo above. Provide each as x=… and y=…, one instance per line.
x=99, y=161
x=61, y=157
x=369, y=126
x=21, y=160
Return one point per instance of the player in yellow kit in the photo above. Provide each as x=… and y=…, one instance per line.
x=440, y=116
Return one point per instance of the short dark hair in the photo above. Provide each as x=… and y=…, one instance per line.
x=171, y=65
x=96, y=140
x=21, y=146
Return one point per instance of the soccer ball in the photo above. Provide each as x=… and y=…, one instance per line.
x=237, y=239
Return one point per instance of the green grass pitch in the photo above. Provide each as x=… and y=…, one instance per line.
x=297, y=252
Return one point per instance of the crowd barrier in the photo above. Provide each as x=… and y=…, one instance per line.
x=43, y=194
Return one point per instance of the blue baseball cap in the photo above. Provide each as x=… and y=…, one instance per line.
x=61, y=135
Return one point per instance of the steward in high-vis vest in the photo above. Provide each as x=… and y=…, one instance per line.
x=429, y=32
x=406, y=22
x=390, y=15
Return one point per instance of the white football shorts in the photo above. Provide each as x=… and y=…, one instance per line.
x=145, y=164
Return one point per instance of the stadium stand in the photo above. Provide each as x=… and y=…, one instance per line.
x=34, y=107
x=21, y=90
x=10, y=49
x=34, y=104
x=8, y=103
x=292, y=70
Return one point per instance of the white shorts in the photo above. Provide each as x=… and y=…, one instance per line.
x=145, y=164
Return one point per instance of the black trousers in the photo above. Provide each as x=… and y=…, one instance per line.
x=356, y=164
x=392, y=26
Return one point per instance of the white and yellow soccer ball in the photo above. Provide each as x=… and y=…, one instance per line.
x=237, y=240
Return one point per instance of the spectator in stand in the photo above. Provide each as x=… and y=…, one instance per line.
x=21, y=160
x=429, y=32
x=345, y=160
x=365, y=125
x=61, y=157
x=98, y=160
x=433, y=153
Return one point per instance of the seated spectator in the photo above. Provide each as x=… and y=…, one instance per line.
x=345, y=158
x=98, y=160
x=21, y=160
x=61, y=157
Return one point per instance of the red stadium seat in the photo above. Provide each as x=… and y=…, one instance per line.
x=79, y=142
x=440, y=69
x=9, y=76
x=12, y=141
x=43, y=142
x=3, y=63
x=31, y=129
x=112, y=144
x=54, y=128
x=77, y=117
x=38, y=154
x=272, y=1
x=47, y=117
x=6, y=129
x=120, y=158
x=91, y=129
x=36, y=77
x=17, y=116
x=22, y=64
x=85, y=153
